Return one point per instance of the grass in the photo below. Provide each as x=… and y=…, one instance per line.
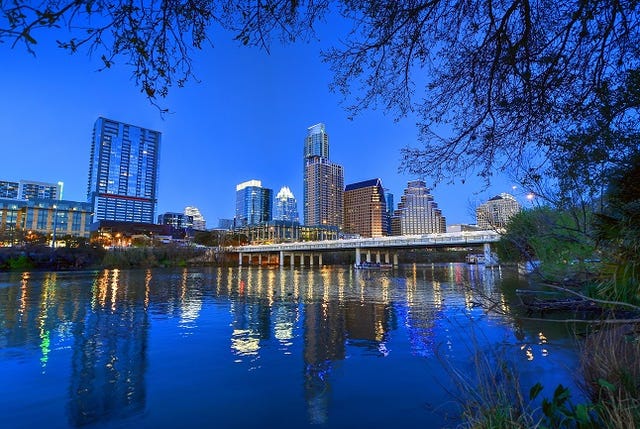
x=490, y=395
x=610, y=364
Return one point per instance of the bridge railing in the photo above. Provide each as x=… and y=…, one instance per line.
x=451, y=238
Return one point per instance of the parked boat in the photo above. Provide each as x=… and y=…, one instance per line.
x=372, y=266
x=475, y=258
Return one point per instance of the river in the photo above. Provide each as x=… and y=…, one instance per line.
x=250, y=347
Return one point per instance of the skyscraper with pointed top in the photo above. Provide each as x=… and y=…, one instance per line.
x=323, y=181
x=286, y=206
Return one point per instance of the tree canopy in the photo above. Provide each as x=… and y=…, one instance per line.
x=525, y=87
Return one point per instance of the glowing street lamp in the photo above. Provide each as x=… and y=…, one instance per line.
x=530, y=197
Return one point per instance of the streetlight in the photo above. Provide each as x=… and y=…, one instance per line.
x=55, y=224
x=530, y=197
x=55, y=215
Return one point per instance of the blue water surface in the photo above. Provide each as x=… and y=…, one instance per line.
x=328, y=347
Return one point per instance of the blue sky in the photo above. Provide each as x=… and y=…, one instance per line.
x=245, y=119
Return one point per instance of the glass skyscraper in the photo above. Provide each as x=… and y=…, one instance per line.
x=253, y=203
x=286, y=206
x=323, y=181
x=123, y=172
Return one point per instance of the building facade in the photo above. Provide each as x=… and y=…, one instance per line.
x=42, y=190
x=9, y=189
x=199, y=222
x=323, y=181
x=29, y=189
x=253, y=203
x=54, y=219
x=495, y=213
x=417, y=212
x=286, y=206
x=123, y=172
x=388, y=196
x=365, y=209
x=176, y=220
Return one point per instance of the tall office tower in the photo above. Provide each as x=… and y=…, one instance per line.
x=388, y=196
x=49, y=191
x=123, y=172
x=418, y=212
x=253, y=203
x=365, y=209
x=496, y=212
x=9, y=189
x=286, y=206
x=199, y=222
x=323, y=181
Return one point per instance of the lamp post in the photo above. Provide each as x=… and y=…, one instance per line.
x=55, y=215
x=55, y=224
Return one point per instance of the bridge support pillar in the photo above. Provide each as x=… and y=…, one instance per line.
x=281, y=260
x=395, y=259
x=386, y=258
x=368, y=255
x=311, y=256
x=487, y=254
x=377, y=257
x=239, y=259
x=292, y=259
x=358, y=257
x=259, y=258
x=320, y=259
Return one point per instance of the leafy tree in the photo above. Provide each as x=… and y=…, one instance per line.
x=551, y=237
x=517, y=84
x=618, y=232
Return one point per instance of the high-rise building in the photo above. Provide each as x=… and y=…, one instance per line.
x=388, y=196
x=123, y=172
x=29, y=190
x=365, y=209
x=496, y=212
x=199, y=222
x=286, y=206
x=253, y=203
x=418, y=213
x=323, y=181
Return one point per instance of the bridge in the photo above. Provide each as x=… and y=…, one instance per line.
x=380, y=247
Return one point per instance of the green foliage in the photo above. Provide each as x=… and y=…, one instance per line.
x=149, y=257
x=553, y=237
x=559, y=412
x=20, y=263
x=610, y=367
x=618, y=232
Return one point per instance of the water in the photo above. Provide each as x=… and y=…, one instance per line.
x=259, y=347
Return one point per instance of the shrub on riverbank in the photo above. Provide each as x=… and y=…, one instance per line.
x=491, y=397
x=149, y=257
x=46, y=258
x=610, y=363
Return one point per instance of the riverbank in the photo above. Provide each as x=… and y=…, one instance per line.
x=41, y=258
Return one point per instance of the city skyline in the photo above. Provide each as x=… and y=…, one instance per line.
x=246, y=117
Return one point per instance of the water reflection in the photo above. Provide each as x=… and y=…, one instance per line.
x=97, y=326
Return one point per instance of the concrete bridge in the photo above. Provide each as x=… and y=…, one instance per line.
x=383, y=248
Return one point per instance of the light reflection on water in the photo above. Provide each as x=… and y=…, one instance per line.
x=329, y=346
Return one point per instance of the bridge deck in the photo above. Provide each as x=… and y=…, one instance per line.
x=403, y=241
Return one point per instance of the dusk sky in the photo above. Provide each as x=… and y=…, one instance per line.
x=246, y=118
